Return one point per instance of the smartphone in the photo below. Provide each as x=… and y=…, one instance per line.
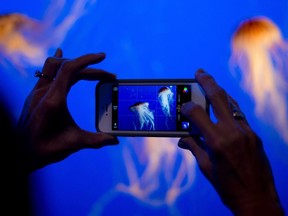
x=132, y=107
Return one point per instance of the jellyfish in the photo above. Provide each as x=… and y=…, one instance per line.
x=145, y=116
x=165, y=97
x=25, y=41
x=168, y=174
x=260, y=52
x=16, y=40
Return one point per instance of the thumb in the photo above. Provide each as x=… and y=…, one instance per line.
x=97, y=140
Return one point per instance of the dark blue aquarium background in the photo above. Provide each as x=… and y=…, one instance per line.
x=142, y=39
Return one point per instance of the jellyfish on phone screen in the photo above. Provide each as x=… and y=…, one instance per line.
x=260, y=52
x=165, y=97
x=144, y=114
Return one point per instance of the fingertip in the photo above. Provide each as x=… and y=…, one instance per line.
x=186, y=107
x=200, y=70
x=105, y=75
x=58, y=53
x=182, y=144
x=114, y=141
x=110, y=76
x=110, y=140
x=101, y=55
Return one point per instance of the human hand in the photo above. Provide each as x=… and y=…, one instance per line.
x=230, y=154
x=46, y=122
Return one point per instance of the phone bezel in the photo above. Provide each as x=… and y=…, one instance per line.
x=104, y=107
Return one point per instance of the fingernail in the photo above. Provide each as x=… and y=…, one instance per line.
x=114, y=141
x=200, y=70
x=101, y=53
x=185, y=107
x=110, y=140
x=182, y=144
x=58, y=53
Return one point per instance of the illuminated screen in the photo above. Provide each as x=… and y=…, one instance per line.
x=149, y=108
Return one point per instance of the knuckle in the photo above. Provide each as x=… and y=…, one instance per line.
x=227, y=140
x=218, y=93
x=66, y=64
x=195, y=110
x=204, y=165
x=219, y=145
x=204, y=77
x=224, y=144
x=237, y=137
x=49, y=104
x=253, y=138
x=191, y=110
x=50, y=60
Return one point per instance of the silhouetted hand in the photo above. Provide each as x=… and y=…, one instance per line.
x=52, y=134
x=230, y=154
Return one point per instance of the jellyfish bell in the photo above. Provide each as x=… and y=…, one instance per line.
x=10, y=22
x=144, y=114
x=137, y=106
x=26, y=42
x=256, y=32
x=18, y=35
x=260, y=53
x=165, y=97
x=13, y=22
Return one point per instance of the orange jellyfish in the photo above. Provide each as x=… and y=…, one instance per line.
x=260, y=52
x=145, y=115
x=17, y=42
x=26, y=42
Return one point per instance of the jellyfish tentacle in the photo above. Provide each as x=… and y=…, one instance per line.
x=165, y=98
x=144, y=114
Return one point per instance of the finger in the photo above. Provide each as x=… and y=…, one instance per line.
x=95, y=74
x=70, y=70
x=75, y=66
x=88, y=59
x=50, y=68
x=216, y=95
x=97, y=140
x=49, y=71
x=202, y=157
x=199, y=117
x=234, y=106
x=58, y=53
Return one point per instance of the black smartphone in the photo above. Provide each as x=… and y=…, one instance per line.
x=133, y=107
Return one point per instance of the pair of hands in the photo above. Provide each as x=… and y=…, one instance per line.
x=229, y=153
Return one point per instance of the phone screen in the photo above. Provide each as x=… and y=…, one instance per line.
x=149, y=107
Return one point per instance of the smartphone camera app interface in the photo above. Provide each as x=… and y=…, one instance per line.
x=149, y=107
